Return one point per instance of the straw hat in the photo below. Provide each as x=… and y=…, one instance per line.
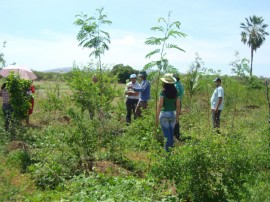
x=168, y=78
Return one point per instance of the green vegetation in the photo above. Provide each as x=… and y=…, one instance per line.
x=78, y=147
x=65, y=155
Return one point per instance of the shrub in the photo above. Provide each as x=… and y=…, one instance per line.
x=215, y=168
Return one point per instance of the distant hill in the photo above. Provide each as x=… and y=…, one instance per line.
x=59, y=70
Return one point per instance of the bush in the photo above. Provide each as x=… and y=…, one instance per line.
x=215, y=168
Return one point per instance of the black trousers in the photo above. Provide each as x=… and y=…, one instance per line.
x=131, y=106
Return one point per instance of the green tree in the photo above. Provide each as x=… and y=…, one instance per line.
x=2, y=60
x=92, y=36
x=196, y=70
x=240, y=67
x=19, y=99
x=253, y=34
x=168, y=30
x=123, y=72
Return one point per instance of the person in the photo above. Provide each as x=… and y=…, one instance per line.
x=144, y=90
x=30, y=92
x=217, y=101
x=168, y=109
x=132, y=97
x=180, y=88
x=7, y=109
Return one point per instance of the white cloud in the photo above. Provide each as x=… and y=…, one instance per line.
x=61, y=50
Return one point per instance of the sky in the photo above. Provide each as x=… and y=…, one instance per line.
x=41, y=34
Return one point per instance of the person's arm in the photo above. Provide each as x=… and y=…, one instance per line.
x=133, y=93
x=143, y=87
x=33, y=89
x=218, y=104
x=160, y=104
x=178, y=109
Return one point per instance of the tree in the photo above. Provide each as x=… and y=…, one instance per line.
x=168, y=30
x=123, y=72
x=2, y=60
x=253, y=34
x=92, y=36
x=240, y=67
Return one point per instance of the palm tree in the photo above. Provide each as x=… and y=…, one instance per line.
x=253, y=34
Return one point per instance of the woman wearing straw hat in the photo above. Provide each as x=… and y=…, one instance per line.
x=168, y=109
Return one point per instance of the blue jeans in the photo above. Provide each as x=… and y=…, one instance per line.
x=167, y=121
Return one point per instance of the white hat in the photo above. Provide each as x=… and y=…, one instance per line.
x=133, y=76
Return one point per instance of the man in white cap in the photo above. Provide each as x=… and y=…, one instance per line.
x=132, y=97
x=217, y=101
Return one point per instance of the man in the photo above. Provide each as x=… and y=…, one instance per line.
x=178, y=85
x=145, y=93
x=132, y=97
x=217, y=101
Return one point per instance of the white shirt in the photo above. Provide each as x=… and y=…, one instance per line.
x=218, y=92
x=135, y=85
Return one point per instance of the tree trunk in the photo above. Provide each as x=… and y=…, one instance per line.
x=251, y=62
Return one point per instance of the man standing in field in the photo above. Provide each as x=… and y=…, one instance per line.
x=132, y=97
x=217, y=101
x=178, y=85
x=145, y=93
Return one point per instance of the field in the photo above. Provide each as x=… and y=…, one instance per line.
x=66, y=156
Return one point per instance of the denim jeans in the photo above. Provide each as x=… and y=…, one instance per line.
x=167, y=121
x=131, y=106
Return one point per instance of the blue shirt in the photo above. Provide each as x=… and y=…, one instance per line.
x=145, y=90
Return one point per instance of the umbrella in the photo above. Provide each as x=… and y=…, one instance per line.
x=23, y=72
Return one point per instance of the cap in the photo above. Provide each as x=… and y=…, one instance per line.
x=142, y=73
x=217, y=79
x=133, y=76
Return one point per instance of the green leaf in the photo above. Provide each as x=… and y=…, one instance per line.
x=160, y=28
x=149, y=55
x=150, y=65
x=172, y=46
x=153, y=41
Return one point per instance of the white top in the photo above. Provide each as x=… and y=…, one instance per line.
x=218, y=92
x=135, y=85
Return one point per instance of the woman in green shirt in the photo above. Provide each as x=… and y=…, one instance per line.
x=168, y=109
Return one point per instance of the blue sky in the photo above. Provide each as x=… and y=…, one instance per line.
x=41, y=34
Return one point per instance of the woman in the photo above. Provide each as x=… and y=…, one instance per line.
x=168, y=110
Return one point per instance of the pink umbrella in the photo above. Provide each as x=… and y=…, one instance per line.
x=23, y=72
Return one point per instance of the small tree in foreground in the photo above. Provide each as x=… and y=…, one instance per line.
x=168, y=30
x=19, y=99
x=92, y=36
